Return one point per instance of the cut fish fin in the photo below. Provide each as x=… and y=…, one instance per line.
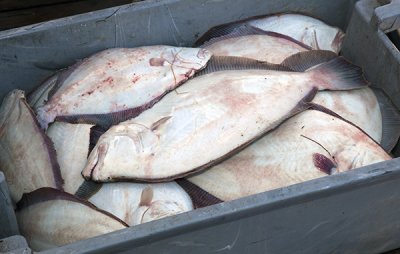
x=200, y=197
x=88, y=189
x=338, y=74
x=46, y=194
x=302, y=61
x=324, y=164
x=390, y=120
x=59, y=181
x=160, y=122
x=95, y=133
x=147, y=196
x=228, y=63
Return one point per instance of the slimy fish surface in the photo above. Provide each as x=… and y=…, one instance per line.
x=208, y=119
x=309, y=145
x=117, y=84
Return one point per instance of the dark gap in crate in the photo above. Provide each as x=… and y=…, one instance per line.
x=395, y=38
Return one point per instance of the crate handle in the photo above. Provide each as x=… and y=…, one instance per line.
x=387, y=16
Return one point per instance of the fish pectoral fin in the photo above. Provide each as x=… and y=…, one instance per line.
x=324, y=164
x=159, y=123
x=147, y=196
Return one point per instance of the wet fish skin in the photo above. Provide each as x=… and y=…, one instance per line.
x=269, y=48
x=360, y=106
x=307, y=146
x=136, y=203
x=71, y=142
x=119, y=80
x=49, y=218
x=27, y=155
x=307, y=30
x=164, y=143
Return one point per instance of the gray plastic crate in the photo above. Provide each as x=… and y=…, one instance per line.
x=352, y=212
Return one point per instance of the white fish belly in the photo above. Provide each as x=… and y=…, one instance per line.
x=286, y=156
x=260, y=47
x=202, y=121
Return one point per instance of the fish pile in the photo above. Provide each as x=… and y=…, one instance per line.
x=131, y=135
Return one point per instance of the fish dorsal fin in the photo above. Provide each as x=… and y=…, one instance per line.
x=302, y=61
x=218, y=31
x=147, y=196
x=87, y=189
x=95, y=132
x=247, y=30
x=59, y=181
x=200, y=198
x=48, y=194
x=314, y=106
x=230, y=63
x=390, y=120
x=237, y=31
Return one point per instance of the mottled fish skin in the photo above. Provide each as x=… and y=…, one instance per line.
x=118, y=79
x=27, y=155
x=307, y=146
x=267, y=48
x=359, y=106
x=205, y=120
x=305, y=29
x=125, y=201
x=56, y=219
x=71, y=142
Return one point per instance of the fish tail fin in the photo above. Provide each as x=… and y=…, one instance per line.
x=390, y=120
x=338, y=74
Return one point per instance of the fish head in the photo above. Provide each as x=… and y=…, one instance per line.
x=187, y=60
x=123, y=148
x=363, y=155
x=157, y=210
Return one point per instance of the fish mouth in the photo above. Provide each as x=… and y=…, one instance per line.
x=95, y=162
